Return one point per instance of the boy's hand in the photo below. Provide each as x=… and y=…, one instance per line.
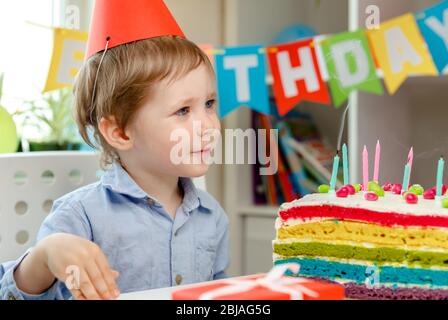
x=81, y=265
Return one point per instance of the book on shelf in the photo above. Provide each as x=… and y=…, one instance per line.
x=304, y=160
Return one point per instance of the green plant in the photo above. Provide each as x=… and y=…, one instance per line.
x=52, y=114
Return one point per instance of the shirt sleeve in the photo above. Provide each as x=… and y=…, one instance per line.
x=66, y=217
x=222, y=253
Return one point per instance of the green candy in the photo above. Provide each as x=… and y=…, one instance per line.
x=445, y=203
x=416, y=189
x=376, y=188
x=357, y=187
x=324, y=188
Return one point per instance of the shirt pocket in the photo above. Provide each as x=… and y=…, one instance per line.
x=205, y=255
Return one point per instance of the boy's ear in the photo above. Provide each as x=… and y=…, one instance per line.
x=114, y=135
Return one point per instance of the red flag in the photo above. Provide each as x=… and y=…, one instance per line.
x=296, y=75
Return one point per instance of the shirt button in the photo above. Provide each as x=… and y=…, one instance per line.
x=178, y=279
x=11, y=297
x=151, y=202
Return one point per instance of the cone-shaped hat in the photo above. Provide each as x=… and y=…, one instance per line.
x=124, y=21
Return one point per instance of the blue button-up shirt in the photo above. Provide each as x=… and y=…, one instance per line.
x=141, y=240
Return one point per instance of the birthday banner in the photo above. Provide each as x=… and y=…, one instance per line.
x=69, y=47
x=323, y=69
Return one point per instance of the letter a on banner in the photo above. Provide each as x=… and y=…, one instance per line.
x=401, y=51
x=350, y=65
x=68, y=55
x=296, y=75
x=241, y=73
x=433, y=24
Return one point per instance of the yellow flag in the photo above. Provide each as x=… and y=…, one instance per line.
x=400, y=51
x=68, y=55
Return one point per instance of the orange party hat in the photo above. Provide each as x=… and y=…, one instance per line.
x=124, y=21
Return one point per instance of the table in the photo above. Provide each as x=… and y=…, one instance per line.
x=155, y=294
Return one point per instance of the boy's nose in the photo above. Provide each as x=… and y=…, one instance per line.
x=207, y=122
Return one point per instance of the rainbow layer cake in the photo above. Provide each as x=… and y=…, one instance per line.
x=383, y=249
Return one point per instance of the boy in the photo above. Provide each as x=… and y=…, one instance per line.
x=144, y=225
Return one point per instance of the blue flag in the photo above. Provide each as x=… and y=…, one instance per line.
x=433, y=24
x=241, y=74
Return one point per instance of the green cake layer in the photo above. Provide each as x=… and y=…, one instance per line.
x=378, y=255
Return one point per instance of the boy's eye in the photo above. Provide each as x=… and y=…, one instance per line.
x=183, y=111
x=210, y=103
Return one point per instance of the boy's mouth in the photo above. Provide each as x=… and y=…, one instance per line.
x=202, y=152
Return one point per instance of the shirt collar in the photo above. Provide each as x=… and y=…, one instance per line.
x=118, y=180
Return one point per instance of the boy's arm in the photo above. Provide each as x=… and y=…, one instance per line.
x=29, y=273
x=222, y=253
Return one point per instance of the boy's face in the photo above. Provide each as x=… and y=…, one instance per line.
x=172, y=131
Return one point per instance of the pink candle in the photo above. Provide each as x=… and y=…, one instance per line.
x=365, y=169
x=410, y=159
x=376, y=170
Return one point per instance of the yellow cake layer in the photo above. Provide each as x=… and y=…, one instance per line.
x=333, y=230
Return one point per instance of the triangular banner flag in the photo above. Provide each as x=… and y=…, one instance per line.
x=433, y=24
x=350, y=65
x=296, y=74
x=241, y=74
x=69, y=47
x=401, y=51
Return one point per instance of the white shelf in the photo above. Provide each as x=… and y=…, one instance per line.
x=258, y=211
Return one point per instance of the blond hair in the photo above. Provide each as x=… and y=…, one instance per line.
x=126, y=79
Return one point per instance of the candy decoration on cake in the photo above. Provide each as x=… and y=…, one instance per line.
x=401, y=231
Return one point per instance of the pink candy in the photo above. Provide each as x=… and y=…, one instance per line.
x=429, y=194
x=387, y=186
x=444, y=189
x=342, y=193
x=351, y=189
x=411, y=198
x=371, y=196
x=396, y=188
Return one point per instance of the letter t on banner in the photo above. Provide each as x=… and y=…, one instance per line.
x=296, y=75
x=241, y=73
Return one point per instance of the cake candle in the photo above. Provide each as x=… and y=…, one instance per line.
x=410, y=160
x=345, y=164
x=406, y=178
x=365, y=169
x=440, y=166
x=334, y=174
x=376, y=170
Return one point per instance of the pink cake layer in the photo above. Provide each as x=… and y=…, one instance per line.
x=364, y=215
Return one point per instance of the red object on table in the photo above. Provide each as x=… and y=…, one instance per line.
x=303, y=286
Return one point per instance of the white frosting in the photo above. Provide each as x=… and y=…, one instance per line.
x=389, y=203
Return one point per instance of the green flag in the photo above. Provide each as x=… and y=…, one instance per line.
x=350, y=65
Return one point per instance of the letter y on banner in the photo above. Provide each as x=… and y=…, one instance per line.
x=433, y=24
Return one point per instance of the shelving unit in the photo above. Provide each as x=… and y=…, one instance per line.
x=414, y=116
x=252, y=227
